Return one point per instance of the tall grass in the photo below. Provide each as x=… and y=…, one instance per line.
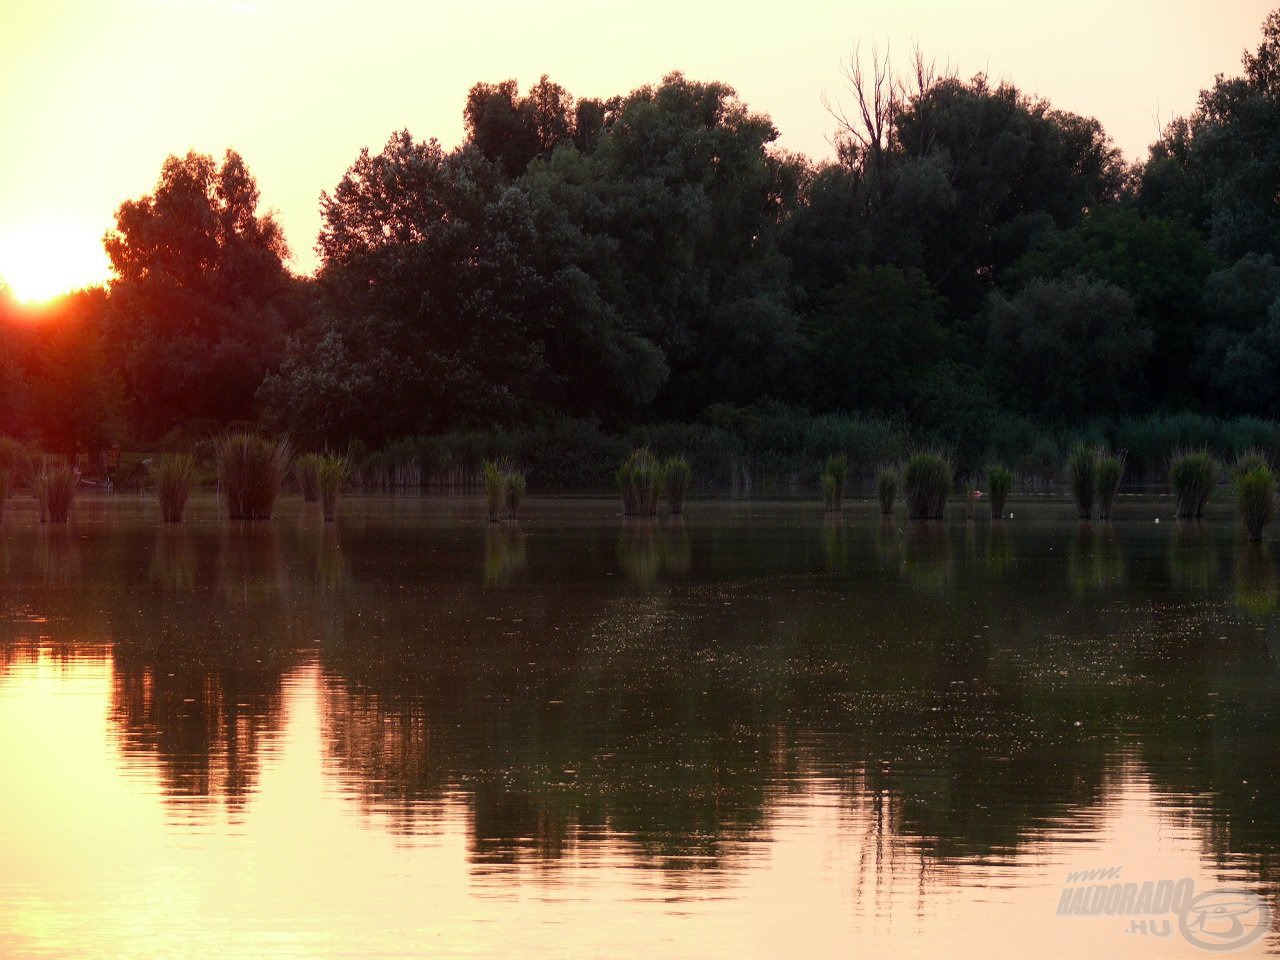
x=174, y=477
x=640, y=481
x=1110, y=472
x=495, y=489
x=10, y=458
x=999, y=486
x=305, y=470
x=1256, y=493
x=331, y=473
x=516, y=483
x=1082, y=478
x=886, y=489
x=926, y=481
x=677, y=474
x=834, y=476
x=54, y=482
x=251, y=470
x=1192, y=475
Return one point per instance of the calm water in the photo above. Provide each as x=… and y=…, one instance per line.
x=755, y=732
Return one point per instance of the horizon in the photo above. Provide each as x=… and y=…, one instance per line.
x=49, y=208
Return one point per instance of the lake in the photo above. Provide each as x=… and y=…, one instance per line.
x=756, y=731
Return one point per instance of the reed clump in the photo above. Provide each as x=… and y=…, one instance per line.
x=331, y=473
x=926, y=481
x=999, y=486
x=306, y=472
x=517, y=481
x=677, y=474
x=54, y=482
x=251, y=471
x=886, y=489
x=495, y=489
x=1082, y=478
x=640, y=481
x=1110, y=473
x=1256, y=495
x=1192, y=474
x=834, y=474
x=174, y=477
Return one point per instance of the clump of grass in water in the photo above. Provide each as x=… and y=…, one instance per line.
x=999, y=486
x=251, y=470
x=926, y=481
x=1110, y=474
x=331, y=473
x=516, y=483
x=677, y=475
x=54, y=482
x=10, y=458
x=886, y=490
x=834, y=475
x=1082, y=478
x=495, y=489
x=1256, y=493
x=640, y=479
x=306, y=472
x=174, y=478
x=1192, y=475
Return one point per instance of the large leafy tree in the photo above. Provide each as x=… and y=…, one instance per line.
x=202, y=300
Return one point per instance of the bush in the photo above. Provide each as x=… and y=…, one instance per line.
x=999, y=486
x=1193, y=475
x=678, y=475
x=174, y=476
x=886, y=489
x=640, y=482
x=926, y=481
x=1110, y=472
x=1082, y=478
x=251, y=470
x=1256, y=491
x=54, y=482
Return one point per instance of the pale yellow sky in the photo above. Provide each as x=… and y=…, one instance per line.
x=95, y=93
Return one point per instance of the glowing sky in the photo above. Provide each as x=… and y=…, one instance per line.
x=95, y=93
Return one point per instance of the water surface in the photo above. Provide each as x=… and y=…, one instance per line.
x=755, y=731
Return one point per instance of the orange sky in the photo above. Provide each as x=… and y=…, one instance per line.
x=95, y=93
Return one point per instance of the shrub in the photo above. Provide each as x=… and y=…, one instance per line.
x=305, y=471
x=1082, y=478
x=516, y=482
x=677, y=475
x=999, y=486
x=495, y=489
x=251, y=470
x=837, y=468
x=332, y=472
x=926, y=481
x=1248, y=462
x=174, y=476
x=886, y=489
x=54, y=482
x=1192, y=475
x=1256, y=491
x=1110, y=473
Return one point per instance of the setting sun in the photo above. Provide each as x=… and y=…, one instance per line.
x=41, y=261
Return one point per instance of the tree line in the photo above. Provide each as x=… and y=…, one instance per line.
x=971, y=260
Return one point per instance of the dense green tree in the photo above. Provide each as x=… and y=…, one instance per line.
x=1239, y=361
x=1162, y=264
x=201, y=294
x=1067, y=350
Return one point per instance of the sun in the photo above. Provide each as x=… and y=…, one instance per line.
x=40, y=261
